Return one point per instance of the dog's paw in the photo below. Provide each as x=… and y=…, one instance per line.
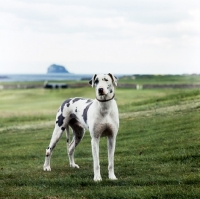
x=74, y=166
x=47, y=168
x=112, y=177
x=97, y=178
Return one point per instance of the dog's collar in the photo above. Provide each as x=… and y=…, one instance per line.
x=106, y=100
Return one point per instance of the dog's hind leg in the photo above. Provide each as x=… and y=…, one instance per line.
x=78, y=132
x=57, y=133
x=67, y=137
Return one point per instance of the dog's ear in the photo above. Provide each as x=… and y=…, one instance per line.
x=114, y=79
x=91, y=82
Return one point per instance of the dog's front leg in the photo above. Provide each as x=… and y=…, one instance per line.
x=95, y=154
x=111, y=151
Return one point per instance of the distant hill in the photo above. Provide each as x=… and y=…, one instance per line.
x=54, y=68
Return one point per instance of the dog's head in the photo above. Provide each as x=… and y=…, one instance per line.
x=104, y=85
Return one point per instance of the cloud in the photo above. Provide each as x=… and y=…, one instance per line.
x=112, y=33
x=107, y=18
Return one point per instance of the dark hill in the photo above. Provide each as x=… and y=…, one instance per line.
x=57, y=69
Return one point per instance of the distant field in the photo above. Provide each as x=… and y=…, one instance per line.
x=132, y=79
x=157, y=153
x=162, y=79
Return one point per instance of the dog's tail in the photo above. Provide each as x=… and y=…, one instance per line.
x=67, y=137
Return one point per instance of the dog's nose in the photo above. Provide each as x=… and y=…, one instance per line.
x=100, y=90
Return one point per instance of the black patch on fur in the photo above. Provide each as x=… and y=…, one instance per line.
x=90, y=82
x=88, y=101
x=65, y=102
x=96, y=81
x=72, y=121
x=76, y=110
x=72, y=115
x=108, y=86
x=85, y=112
x=111, y=91
x=62, y=128
x=60, y=120
x=77, y=99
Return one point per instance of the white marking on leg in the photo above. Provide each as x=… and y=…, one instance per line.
x=95, y=153
x=111, y=151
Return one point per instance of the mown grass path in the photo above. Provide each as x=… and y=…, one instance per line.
x=157, y=153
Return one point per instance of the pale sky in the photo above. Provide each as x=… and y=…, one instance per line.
x=90, y=36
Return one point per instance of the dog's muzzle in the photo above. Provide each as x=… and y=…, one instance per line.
x=100, y=91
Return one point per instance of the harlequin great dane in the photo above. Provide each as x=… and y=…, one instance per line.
x=99, y=116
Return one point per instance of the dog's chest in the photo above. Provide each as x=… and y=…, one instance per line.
x=100, y=129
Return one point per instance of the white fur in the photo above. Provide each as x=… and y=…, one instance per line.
x=99, y=116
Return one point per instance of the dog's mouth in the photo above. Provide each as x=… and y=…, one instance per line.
x=102, y=94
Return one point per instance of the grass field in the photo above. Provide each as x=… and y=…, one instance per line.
x=161, y=79
x=157, y=152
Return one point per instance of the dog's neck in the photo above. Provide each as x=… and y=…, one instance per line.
x=105, y=104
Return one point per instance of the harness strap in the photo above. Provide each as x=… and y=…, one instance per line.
x=106, y=100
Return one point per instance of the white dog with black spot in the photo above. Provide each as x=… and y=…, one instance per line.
x=99, y=116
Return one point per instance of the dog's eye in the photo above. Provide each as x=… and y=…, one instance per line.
x=105, y=79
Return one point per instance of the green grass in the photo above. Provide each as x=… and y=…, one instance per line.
x=157, y=153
